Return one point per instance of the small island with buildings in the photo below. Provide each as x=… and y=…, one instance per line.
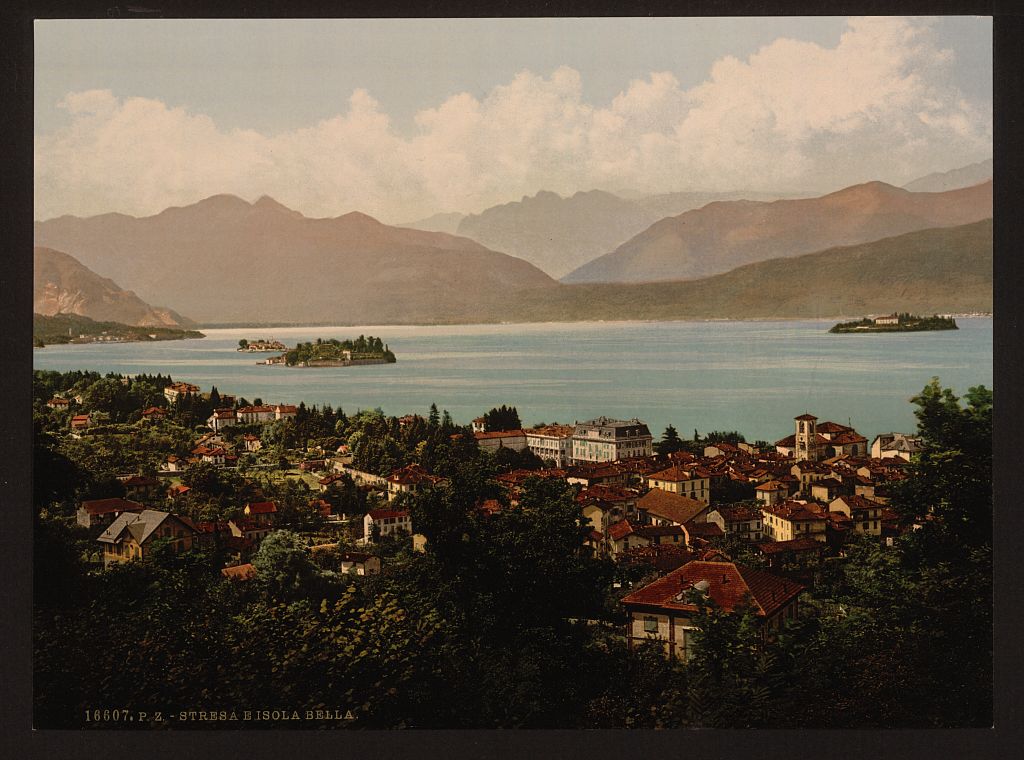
x=903, y=322
x=336, y=353
x=260, y=346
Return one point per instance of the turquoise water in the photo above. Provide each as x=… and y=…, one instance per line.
x=748, y=376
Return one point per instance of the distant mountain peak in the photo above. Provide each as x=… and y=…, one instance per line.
x=360, y=218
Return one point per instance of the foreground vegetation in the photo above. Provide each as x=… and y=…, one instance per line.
x=505, y=621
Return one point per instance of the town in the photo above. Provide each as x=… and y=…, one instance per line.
x=669, y=527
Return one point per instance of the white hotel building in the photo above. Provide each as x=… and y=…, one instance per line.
x=551, y=443
x=608, y=440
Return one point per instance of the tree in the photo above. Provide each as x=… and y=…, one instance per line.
x=670, y=442
x=243, y=344
x=502, y=418
x=950, y=488
x=283, y=563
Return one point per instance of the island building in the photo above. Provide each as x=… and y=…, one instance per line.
x=888, y=319
x=551, y=443
x=608, y=440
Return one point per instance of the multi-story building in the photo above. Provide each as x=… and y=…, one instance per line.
x=131, y=535
x=174, y=391
x=552, y=443
x=693, y=482
x=865, y=514
x=222, y=418
x=738, y=521
x=608, y=440
x=794, y=519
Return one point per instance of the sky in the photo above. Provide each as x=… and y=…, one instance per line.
x=402, y=118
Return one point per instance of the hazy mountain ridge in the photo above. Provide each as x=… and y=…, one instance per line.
x=443, y=222
x=224, y=259
x=939, y=270
x=727, y=234
x=63, y=285
x=559, y=234
x=964, y=176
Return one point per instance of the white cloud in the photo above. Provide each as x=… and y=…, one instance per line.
x=794, y=115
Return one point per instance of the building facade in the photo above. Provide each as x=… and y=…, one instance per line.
x=608, y=440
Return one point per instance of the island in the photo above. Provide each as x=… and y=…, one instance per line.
x=902, y=322
x=260, y=346
x=63, y=328
x=336, y=353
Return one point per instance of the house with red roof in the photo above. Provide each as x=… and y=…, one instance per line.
x=80, y=422
x=154, y=414
x=58, y=403
x=104, y=511
x=794, y=519
x=659, y=507
x=694, y=482
x=623, y=536
x=262, y=512
x=664, y=610
x=174, y=391
x=410, y=480
x=865, y=514
x=388, y=521
x=738, y=521
x=222, y=418
x=142, y=486
x=771, y=492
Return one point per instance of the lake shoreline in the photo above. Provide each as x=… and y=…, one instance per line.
x=694, y=320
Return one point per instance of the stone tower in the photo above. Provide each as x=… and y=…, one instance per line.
x=806, y=438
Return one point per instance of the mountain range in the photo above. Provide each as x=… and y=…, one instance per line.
x=559, y=234
x=939, y=270
x=62, y=285
x=939, y=182
x=227, y=260
x=724, y=235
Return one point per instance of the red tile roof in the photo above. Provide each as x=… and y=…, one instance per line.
x=261, y=508
x=620, y=530
x=670, y=506
x=795, y=511
x=728, y=585
x=107, y=506
x=677, y=474
x=239, y=572
x=803, y=544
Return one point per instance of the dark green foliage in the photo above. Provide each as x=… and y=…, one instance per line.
x=502, y=418
x=670, y=442
x=363, y=347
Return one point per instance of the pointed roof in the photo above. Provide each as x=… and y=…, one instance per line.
x=728, y=585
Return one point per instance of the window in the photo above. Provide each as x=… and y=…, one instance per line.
x=650, y=624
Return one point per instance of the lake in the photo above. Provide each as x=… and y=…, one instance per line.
x=748, y=376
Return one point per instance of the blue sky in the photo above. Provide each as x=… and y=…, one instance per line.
x=402, y=118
